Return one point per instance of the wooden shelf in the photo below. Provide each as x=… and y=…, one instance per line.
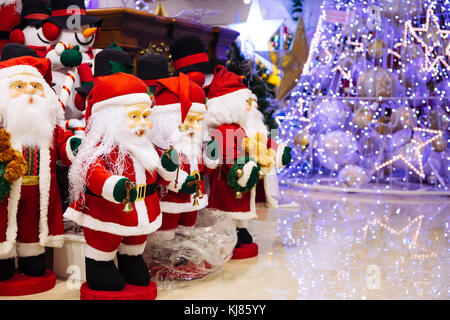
x=133, y=30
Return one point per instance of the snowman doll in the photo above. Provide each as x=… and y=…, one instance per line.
x=29, y=30
x=72, y=34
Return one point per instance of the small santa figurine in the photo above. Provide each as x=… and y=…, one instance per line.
x=31, y=217
x=29, y=30
x=178, y=117
x=114, y=181
x=247, y=155
x=72, y=34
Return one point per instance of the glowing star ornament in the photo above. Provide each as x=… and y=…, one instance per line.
x=431, y=27
x=416, y=163
x=257, y=30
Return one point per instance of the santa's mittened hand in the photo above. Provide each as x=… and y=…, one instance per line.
x=212, y=150
x=71, y=57
x=188, y=185
x=287, y=157
x=120, y=192
x=169, y=160
x=75, y=143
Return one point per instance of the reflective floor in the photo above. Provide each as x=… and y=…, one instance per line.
x=331, y=246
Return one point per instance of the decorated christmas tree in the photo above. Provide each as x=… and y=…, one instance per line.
x=370, y=111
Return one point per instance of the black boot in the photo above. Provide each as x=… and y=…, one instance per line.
x=238, y=243
x=103, y=275
x=33, y=266
x=7, y=269
x=134, y=269
x=244, y=235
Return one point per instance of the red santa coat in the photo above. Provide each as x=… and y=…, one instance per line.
x=51, y=225
x=221, y=196
x=176, y=202
x=101, y=212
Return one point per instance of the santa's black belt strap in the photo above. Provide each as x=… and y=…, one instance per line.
x=149, y=190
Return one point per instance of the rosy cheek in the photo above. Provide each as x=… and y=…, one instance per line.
x=131, y=123
x=149, y=124
x=14, y=94
x=42, y=94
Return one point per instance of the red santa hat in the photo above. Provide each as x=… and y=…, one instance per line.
x=227, y=88
x=179, y=95
x=39, y=67
x=117, y=89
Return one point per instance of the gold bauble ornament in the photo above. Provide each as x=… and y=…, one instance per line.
x=260, y=174
x=362, y=118
x=376, y=82
x=440, y=144
x=376, y=49
x=301, y=140
x=383, y=126
x=437, y=119
x=239, y=173
x=403, y=118
x=238, y=195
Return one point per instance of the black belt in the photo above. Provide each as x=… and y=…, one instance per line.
x=149, y=190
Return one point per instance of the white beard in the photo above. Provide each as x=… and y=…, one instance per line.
x=141, y=148
x=29, y=124
x=191, y=147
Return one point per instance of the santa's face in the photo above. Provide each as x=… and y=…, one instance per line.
x=138, y=118
x=83, y=37
x=30, y=113
x=35, y=37
x=27, y=85
x=194, y=122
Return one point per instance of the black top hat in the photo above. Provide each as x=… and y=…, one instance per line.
x=14, y=50
x=189, y=54
x=151, y=67
x=108, y=61
x=63, y=9
x=34, y=12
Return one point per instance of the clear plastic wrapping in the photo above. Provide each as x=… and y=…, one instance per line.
x=188, y=253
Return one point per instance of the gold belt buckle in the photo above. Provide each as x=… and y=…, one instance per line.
x=30, y=180
x=141, y=188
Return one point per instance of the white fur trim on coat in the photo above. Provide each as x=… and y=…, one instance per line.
x=85, y=220
x=279, y=155
x=29, y=249
x=132, y=250
x=167, y=175
x=209, y=163
x=122, y=100
x=174, y=207
x=98, y=255
x=10, y=250
x=108, y=188
x=238, y=215
x=182, y=176
x=69, y=152
x=247, y=168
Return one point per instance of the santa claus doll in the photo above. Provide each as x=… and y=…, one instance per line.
x=29, y=30
x=247, y=155
x=31, y=217
x=116, y=155
x=178, y=116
